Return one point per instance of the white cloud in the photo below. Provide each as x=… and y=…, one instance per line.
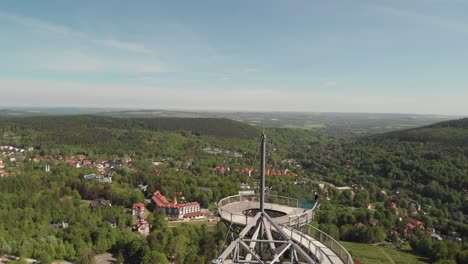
x=52, y=28
x=54, y=94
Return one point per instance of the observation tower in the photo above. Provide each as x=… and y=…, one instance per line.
x=274, y=229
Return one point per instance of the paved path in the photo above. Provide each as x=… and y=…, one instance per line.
x=105, y=258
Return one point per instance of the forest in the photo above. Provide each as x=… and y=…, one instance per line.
x=387, y=174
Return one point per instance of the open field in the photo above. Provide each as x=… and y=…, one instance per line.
x=372, y=254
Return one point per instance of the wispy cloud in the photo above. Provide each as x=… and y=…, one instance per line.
x=52, y=28
x=79, y=62
x=441, y=22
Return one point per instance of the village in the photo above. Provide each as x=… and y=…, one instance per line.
x=175, y=208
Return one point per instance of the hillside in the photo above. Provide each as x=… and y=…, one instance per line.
x=448, y=133
x=201, y=126
x=426, y=155
x=459, y=123
x=427, y=166
x=173, y=155
x=336, y=124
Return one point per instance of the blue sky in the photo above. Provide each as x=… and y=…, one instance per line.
x=407, y=56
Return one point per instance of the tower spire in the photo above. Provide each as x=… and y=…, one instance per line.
x=262, y=173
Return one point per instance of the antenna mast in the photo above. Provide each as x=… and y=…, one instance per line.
x=262, y=173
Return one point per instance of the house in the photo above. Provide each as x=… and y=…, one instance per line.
x=4, y=173
x=90, y=177
x=49, y=157
x=359, y=225
x=61, y=225
x=111, y=222
x=87, y=162
x=344, y=188
x=390, y=203
x=81, y=156
x=368, y=205
x=174, y=209
x=194, y=215
x=142, y=187
x=1, y=164
x=142, y=226
x=100, y=178
x=74, y=163
x=412, y=224
x=415, y=205
x=432, y=233
x=100, y=202
x=138, y=209
x=221, y=170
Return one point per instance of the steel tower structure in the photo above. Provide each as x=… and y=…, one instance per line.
x=268, y=239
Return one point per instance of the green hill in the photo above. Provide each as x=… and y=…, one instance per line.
x=448, y=133
x=459, y=123
x=199, y=126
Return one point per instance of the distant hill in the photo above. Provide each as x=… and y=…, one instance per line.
x=450, y=133
x=10, y=112
x=341, y=125
x=459, y=123
x=200, y=126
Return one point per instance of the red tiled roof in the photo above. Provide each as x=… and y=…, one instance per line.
x=138, y=206
x=161, y=201
x=142, y=222
x=193, y=214
x=413, y=221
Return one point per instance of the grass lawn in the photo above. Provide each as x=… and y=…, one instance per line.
x=370, y=254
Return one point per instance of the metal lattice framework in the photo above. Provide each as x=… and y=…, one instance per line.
x=265, y=239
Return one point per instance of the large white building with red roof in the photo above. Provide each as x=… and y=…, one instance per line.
x=175, y=209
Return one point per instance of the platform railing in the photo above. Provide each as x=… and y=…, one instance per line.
x=330, y=242
x=271, y=203
x=311, y=234
x=276, y=199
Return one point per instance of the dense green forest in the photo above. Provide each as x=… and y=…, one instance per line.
x=427, y=166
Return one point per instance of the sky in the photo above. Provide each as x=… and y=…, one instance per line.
x=377, y=56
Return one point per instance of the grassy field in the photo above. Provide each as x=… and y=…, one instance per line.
x=373, y=254
x=305, y=126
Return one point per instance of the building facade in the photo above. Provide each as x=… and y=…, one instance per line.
x=175, y=209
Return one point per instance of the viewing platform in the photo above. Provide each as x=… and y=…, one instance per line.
x=288, y=219
x=238, y=209
x=275, y=229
